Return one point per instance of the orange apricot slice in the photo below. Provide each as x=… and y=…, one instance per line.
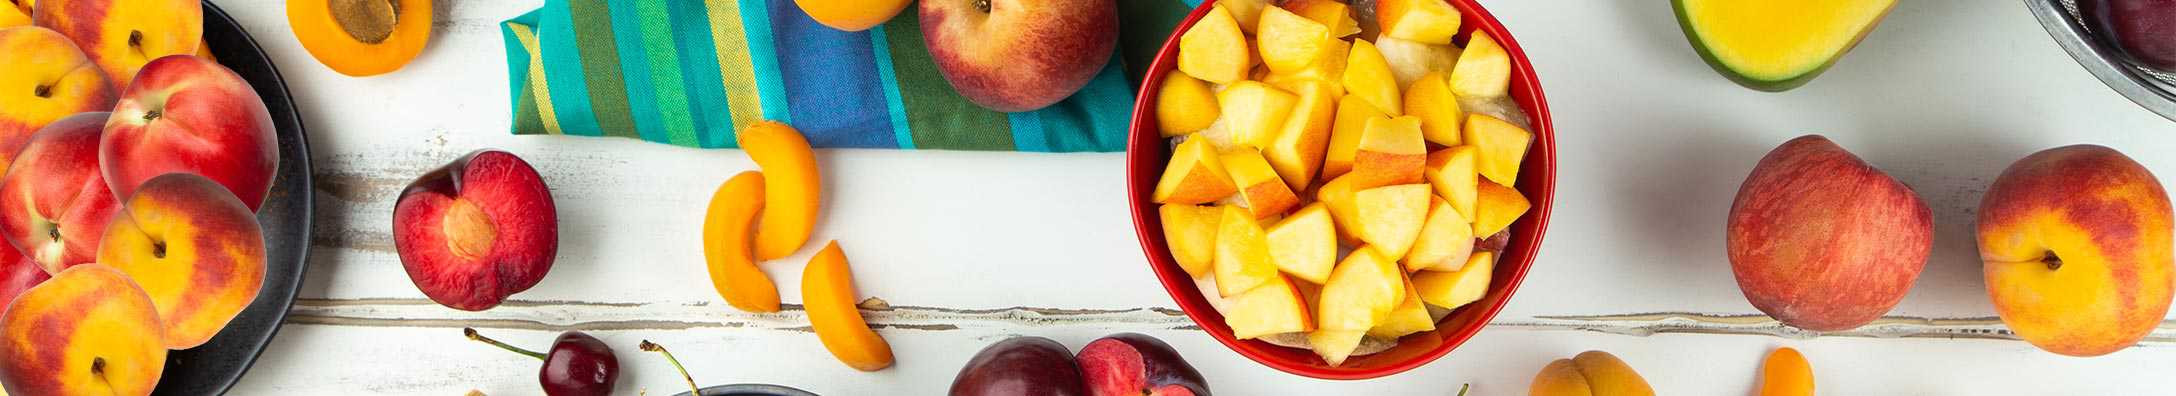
x=361, y=37
x=793, y=190
x=1786, y=373
x=726, y=246
x=828, y=295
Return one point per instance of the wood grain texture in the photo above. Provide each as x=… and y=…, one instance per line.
x=970, y=248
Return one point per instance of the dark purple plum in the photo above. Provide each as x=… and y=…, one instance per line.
x=1020, y=366
x=2143, y=30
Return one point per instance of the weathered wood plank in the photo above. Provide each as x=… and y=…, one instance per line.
x=976, y=247
x=322, y=359
x=576, y=315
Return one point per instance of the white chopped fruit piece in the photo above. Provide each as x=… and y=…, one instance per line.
x=1411, y=59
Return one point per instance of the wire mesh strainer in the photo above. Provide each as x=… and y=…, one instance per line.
x=2153, y=90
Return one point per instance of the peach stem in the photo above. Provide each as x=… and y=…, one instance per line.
x=654, y=347
x=471, y=333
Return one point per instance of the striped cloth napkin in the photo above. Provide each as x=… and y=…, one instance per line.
x=688, y=72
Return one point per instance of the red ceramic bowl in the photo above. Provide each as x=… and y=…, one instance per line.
x=1147, y=153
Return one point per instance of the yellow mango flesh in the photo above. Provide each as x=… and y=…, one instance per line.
x=1779, y=40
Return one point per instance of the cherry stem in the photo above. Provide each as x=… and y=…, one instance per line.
x=471, y=333
x=654, y=347
x=1462, y=389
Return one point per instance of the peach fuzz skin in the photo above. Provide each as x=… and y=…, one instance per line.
x=124, y=35
x=53, y=204
x=88, y=331
x=43, y=78
x=1823, y=241
x=1019, y=55
x=187, y=114
x=194, y=248
x=2077, y=249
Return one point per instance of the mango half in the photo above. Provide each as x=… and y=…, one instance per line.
x=1776, y=45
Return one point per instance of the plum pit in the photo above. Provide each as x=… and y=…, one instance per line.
x=368, y=21
x=469, y=232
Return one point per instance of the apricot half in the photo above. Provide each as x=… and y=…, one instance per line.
x=793, y=188
x=828, y=295
x=727, y=247
x=361, y=37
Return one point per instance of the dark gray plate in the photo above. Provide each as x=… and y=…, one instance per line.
x=215, y=366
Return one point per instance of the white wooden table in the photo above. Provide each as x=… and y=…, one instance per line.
x=977, y=247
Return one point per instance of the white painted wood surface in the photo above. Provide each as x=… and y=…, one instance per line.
x=976, y=247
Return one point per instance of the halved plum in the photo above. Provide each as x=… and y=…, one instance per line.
x=477, y=230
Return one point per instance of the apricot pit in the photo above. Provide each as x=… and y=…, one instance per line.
x=361, y=37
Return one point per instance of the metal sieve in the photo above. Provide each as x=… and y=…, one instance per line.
x=2153, y=90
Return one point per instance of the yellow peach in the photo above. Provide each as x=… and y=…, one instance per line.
x=45, y=78
x=88, y=331
x=195, y=249
x=123, y=35
x=2076, y=244
x=1185, y=105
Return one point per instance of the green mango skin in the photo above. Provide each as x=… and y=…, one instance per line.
x=1699, y=45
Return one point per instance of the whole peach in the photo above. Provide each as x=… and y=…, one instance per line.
x=88, y=331
x=1821, y=240
x=123, y=35
x=2076, y=245
x=43, y=78
x=1019, y=55
x=187, y=114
